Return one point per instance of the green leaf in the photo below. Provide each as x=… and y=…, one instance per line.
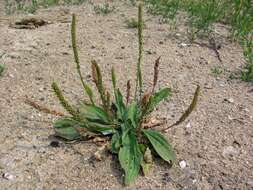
x=130, y=157
x=100, y=128
x=94, y=114
x=65, y=128
x=133, y=114
x=160, y=144
x=1, y=69
x=155, y=99
x=115, y=143
x=121, y=108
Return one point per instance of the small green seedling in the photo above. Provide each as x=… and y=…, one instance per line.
x=2, y=68
x=103, y=9
x=247, y=74
x=132, y=23
x=122, y=120
x=216, y=71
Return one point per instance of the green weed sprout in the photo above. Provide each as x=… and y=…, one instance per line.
x=1, y=69
x=103, y=9
x=123, y=121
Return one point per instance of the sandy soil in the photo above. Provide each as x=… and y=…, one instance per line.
x=217, y=146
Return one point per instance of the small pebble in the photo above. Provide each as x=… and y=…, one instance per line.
x=230, y=100
x=183, y=45
x=54, y=144
x=8, y=176
x=182, y=164
x=11, y=75
x=188, y=125
x=230, y=151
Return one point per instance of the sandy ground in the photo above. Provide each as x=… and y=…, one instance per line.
x=217, y=146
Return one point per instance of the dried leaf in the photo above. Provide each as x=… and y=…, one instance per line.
x=42, y=108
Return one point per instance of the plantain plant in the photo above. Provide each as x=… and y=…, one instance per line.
x=118, y=118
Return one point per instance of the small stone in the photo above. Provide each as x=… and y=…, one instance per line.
x=230, y=118
x=55, y=144
x=182, y=164
x=230, y=100
x=183, y=45
x=11, y=75
x=188, y=125
x=230, y=151
x=8, y=176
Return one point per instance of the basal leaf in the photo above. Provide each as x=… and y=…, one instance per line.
x=160, y=144
x=94, y=114
x=133, y=114
x=65, y=128
x=130, y=157
x=100, y=128
x=115, y=143
x=121, y=108
x=155, y=99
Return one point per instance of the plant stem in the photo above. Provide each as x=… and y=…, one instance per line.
x=73, y=37
x=62, y=100
x=140, y=59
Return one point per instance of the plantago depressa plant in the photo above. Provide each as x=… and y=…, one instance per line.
x=119, y=119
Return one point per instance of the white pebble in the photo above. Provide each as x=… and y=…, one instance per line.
x=183, y=44
x=8, y=176
x=11, y=75
x=188, y=125
x=231, y=100
x=182, y=164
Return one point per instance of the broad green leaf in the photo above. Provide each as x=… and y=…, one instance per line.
x=94, y=114
x=115, y=143
x=160, y=144
x=130, y=157
x=121, y=108
x=100, y=128
x=133, y=114
x=155, y=99
x=65, y=128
